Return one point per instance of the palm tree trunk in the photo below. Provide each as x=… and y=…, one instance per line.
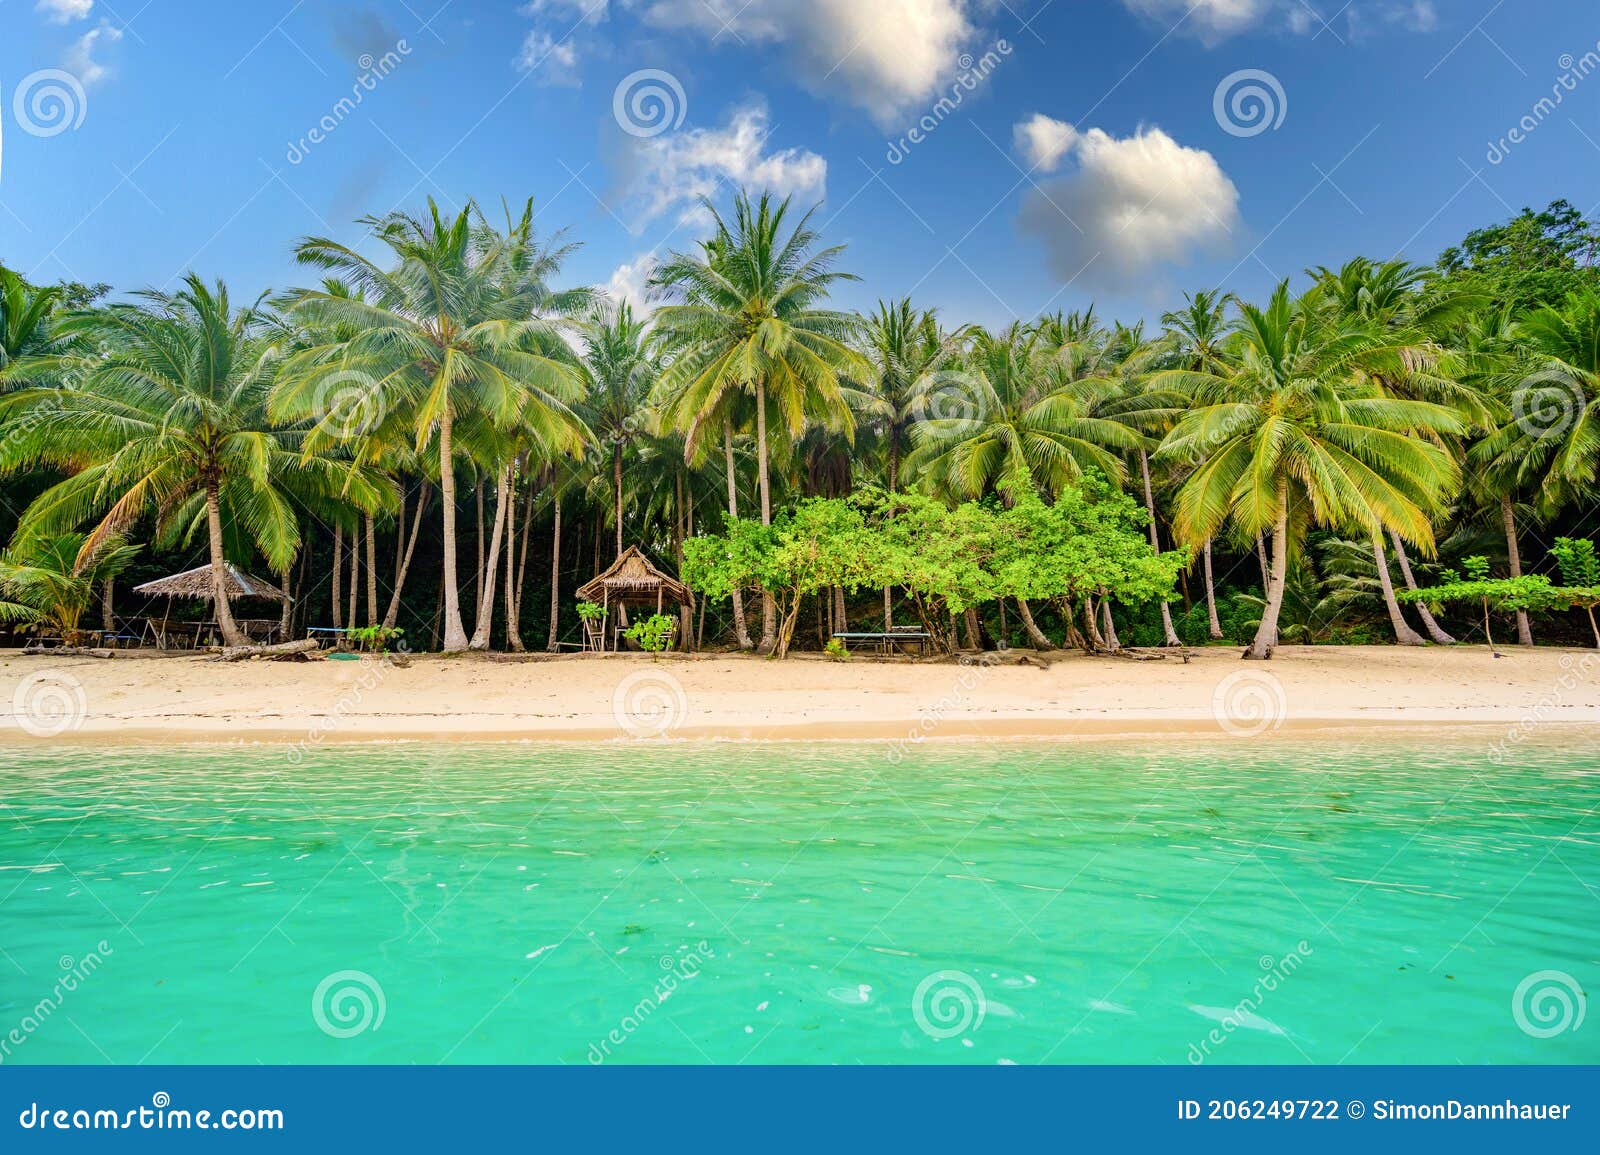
x=338, y=563
x=477, y=605
x=286, y=615
x=393, y=612
x=513, y=638
x=1266, y=639
x=108, y=620
x=1035, y=634
x=740, y=629
x=551, y=644
x=355, y=580
x=1261, y=556
x=616, y=486
x=769, y=609
x=1170, y=634
x=1429, y=622
x=1403, y=633
x=1213, y=626
x=455, y=634
x=219, y=569
x=888, y=610
x=372, y=573
x=522, y=569
x=485, y=622
x=1508, y=514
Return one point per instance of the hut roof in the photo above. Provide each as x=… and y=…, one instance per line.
x=632, y=576
x=196, y=583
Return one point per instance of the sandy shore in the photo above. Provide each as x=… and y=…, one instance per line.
x=185, y=698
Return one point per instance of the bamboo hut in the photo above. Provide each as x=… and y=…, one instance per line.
x=196, y=584
x=632, y=580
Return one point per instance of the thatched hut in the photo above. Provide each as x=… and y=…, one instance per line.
x=632, y=580
x=196, y=583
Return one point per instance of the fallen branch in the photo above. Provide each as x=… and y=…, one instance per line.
x=279, y=650
x=72, y=651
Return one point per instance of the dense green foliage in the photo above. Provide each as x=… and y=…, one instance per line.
x=447, y=426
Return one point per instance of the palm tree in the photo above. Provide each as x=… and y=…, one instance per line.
x=745, y=318
x=621, y=374
x=1294, y=435
x=1200, y=333
x=51, y=580
x=169, y=417
x=26, y=315
x=1015, y=406
x=456, y=327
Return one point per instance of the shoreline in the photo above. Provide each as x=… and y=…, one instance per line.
x=1019, y=696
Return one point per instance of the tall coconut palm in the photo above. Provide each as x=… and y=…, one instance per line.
x=1294, y=435
x=621, y=373
x=1011, y=408
x=26, y=320
x=746, y=317
x=169, y=417
x=457, y=326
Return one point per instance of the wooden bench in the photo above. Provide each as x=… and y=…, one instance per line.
x=886, y=641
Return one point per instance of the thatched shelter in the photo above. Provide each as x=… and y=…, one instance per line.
x=196, y=583
x=632, y=580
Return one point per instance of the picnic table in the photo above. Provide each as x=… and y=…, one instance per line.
x=886, y=641
x=336, y=634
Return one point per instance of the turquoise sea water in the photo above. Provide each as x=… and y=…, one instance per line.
x=1264, y=902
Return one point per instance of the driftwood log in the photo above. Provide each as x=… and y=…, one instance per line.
x=72, y=651
x=279, y=650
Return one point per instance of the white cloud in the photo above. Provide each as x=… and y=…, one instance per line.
x=64, y=11
x=627, y=283
x=555, y=61
x=885, y=56
x=672, y=171
x=1043, y=141
x=1216, y=20
x=1209, y=19
x=79, y=59
x=1130, y=205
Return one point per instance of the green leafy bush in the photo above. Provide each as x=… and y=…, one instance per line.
x=653, y=634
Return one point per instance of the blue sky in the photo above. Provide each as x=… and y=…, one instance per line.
x=1087, y=159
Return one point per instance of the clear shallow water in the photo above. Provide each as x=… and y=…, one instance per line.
x=519, y=903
